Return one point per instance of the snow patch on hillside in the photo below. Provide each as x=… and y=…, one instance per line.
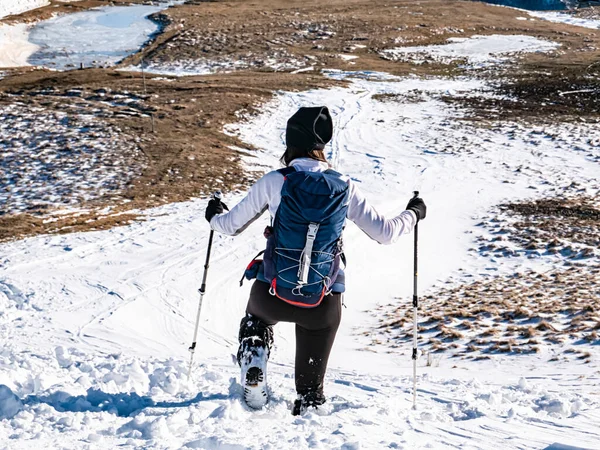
x=276, y=61
x=15, y=47
x=478, y=51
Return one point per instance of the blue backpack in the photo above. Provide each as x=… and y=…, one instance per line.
x=304, y=245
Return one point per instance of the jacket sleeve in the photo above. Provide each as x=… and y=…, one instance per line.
x=376, y=226
x=250, y=208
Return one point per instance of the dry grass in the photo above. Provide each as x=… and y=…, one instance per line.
x=187, y=154
x=519, y=313
x=545, y=326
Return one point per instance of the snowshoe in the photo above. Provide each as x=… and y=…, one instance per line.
x=253, y=362
x=310, y=399
x=256, y=339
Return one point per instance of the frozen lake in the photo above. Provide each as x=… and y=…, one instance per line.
x=535, y=5
x=97, y=37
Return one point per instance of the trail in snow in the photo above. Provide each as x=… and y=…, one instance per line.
x=96, y=325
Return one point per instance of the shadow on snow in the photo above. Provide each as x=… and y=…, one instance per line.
x=122, y=404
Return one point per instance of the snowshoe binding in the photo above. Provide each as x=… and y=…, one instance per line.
x=309, y=399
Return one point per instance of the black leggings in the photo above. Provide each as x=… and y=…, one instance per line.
x=315, y=331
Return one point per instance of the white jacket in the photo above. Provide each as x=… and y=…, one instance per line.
x=266, y=194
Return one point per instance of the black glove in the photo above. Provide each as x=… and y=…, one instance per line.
x=214, y=207
x=417, y=205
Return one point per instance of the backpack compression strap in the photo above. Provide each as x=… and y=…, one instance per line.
x=305, y=257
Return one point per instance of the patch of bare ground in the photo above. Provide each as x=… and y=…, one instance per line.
x=176, y=126
x=526, y=311
x=590, y=12
x=566, y=227
x=177, y=123
x=540, y=97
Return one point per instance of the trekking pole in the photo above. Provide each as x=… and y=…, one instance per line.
x=415, y=308
x=202, y=290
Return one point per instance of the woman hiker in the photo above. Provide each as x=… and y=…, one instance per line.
x=300, y=279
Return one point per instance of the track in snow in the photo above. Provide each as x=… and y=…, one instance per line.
x=97, y=325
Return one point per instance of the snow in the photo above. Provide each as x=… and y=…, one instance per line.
x=10, y=7
x=567, y=18
x=477, y=50
x=10, y=404
x=95, y=326
x=14, y=45
x=277, y=60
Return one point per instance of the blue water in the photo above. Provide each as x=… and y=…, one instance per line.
x=99, y=37
x=533, y=5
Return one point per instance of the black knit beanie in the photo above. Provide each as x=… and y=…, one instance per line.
x=309, y=129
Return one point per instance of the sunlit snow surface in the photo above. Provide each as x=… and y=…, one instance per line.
x=98, y=37
x=283, y=61
x=476, y=50
x=95, y=327
x=15, y=47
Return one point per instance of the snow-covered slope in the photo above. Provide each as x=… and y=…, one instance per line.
x=95, y=327
x=10, y=7
x=15, y=47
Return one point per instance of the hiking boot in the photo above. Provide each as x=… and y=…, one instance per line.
x=308, y=399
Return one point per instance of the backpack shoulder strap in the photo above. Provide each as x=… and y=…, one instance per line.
x=333, y=172
x=287, y=170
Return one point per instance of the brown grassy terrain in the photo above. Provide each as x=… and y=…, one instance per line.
x=183, y=156
x=317, y=35
x=177, y=122
x=526, y=311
